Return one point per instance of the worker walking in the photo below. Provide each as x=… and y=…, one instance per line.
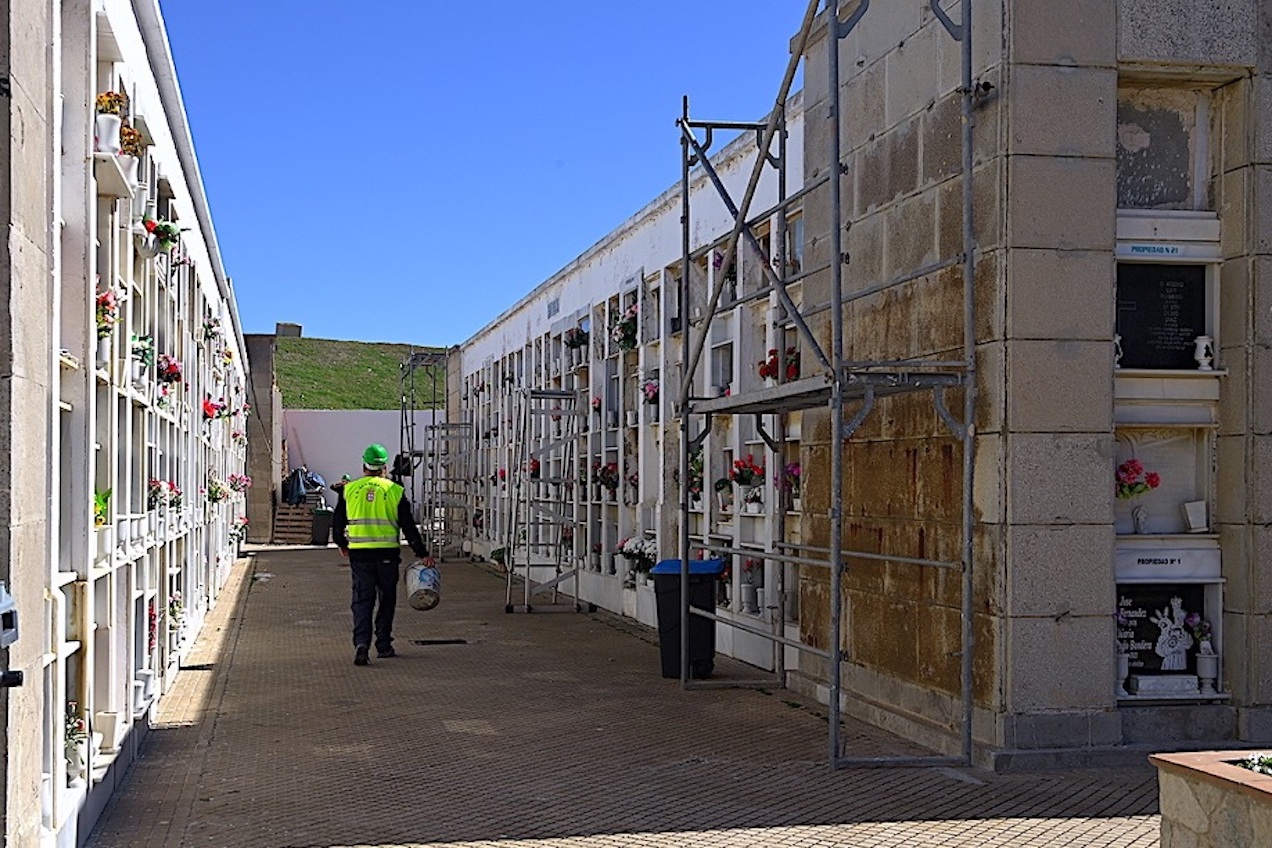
x=366, y=527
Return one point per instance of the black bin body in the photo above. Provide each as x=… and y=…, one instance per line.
x=703, y=574
x=320, y=527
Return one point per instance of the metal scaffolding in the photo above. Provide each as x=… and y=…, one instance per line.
x=542, y=529
x=848, y=390
x=421, y=370
x=446, y=508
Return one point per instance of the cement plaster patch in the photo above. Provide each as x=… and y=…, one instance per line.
x=1059, y=570
x=1061, y=203
x=1059, y=478
x=1262, y=211
x=888, y=167
x=1080, y=32
x=1059, y=386
x=1260, y=388
x=1204, y=32
x=1062, y=111
x=1053, y=294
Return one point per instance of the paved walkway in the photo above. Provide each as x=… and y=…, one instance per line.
x=534, y=731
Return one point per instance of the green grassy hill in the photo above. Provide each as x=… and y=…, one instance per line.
x=329, y=374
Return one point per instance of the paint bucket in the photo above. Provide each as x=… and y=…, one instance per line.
x=423, y=585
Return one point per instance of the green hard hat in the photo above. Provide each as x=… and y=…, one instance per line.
x=375, y=456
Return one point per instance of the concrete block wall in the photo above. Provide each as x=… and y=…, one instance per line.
x=901, y=200
x=1045, y=227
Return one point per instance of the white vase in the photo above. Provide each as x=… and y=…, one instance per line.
x=75, y=762
x=1207, y=673
x=749, y=604
x=633, y=418
x=103, y=351
x=1203, y=352
x=795, y=504
x=106, y=133
x=129, y=165
x=1123, y=669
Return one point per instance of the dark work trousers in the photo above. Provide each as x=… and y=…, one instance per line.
x=375, y=578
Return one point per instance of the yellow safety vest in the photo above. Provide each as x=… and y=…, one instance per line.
x=371, y=506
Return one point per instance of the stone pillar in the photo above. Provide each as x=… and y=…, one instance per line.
x=1056, y=363
x=27, y=354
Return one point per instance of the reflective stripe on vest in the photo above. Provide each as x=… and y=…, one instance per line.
x=371, y=505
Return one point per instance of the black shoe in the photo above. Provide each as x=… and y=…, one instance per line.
x=361, y=655
x=385, y=653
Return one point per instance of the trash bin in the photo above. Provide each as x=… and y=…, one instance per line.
x=703, y=574
x=320, y=527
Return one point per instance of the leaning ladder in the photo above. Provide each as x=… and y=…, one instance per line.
x=444, y=518
x=542, y=526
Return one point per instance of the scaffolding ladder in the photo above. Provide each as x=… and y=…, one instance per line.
x=841, y=385
x=542, y=522
x=445, y=520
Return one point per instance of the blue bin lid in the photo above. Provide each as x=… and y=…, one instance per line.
x=696, y=566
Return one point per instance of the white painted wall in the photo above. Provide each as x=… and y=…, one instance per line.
x=330, y=442
x=647, y=242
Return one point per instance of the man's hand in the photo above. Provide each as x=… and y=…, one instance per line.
x=344, y=552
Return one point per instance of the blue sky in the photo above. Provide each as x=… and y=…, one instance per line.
x=406, y=175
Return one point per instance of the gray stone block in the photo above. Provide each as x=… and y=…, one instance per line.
x=1231, y=471
x=1059, y=386
x=1254, y=724
x=1080, y=32
x=1060, y=570
x=913, y=75
x=1053, y=294
x=1234, y=304
x=1164, y=723
x=889, y=167
x=1059, y=478
x=1259, y=479
x=1061, y=203
x=910, y=235
x=862, y=108
x=1062, y=111
x=1234, y=401
x=1059, y=665
x=1232, y=206
x=1205, y=32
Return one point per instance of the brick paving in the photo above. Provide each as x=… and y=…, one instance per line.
x=537, y=731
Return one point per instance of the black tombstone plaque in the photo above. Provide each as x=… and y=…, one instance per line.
x=1138, y=605
x=1161, y=309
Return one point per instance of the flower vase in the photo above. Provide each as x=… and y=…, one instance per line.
x=103, y=351
x=1203, y=352
x=633, y=418
x=75, y=762
x=129, y=166
x=1123, y=670
x=753, y=501
x=1207, y=670
x=106, y=133
x=795, y=504
x=724, y=500
x=1139, y=518
x=138, y=374
x=749, y=600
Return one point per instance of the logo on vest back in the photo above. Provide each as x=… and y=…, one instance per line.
x=370, y=495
